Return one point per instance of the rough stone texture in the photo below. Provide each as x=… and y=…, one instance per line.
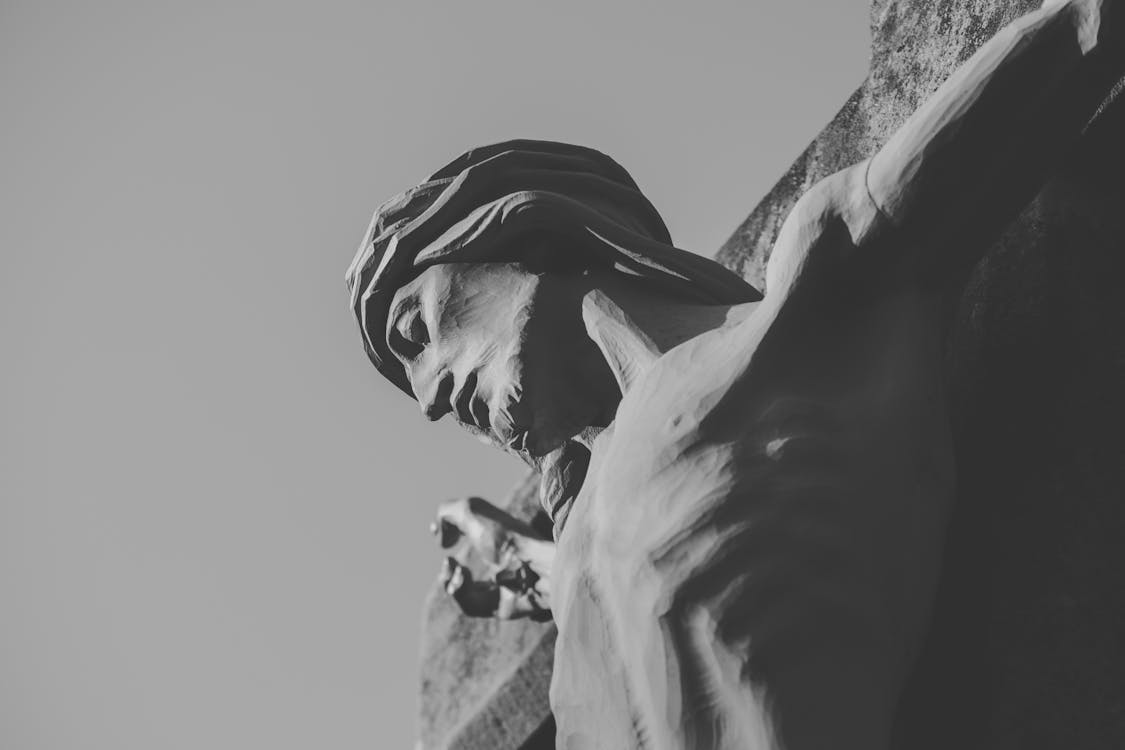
x=484, y=682
x=916, y=44
x=1028, y=642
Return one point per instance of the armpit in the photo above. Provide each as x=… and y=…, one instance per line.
x=837, y=214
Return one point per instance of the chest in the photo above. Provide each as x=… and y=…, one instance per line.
x=783, y=458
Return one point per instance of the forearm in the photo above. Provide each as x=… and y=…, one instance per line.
x=982, y=145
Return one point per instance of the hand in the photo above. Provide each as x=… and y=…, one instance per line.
x=476, y=598
x=518, y=561
x=494, y=534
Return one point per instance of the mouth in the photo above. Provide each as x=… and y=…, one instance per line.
x=468, y=407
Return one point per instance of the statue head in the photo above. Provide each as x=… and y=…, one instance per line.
x=468, y=288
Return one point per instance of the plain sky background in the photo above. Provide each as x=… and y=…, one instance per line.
x=212, y=510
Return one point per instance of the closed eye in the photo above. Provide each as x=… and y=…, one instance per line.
x=409, y=336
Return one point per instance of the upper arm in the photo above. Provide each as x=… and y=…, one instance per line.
x=961, y=167
x=978, y=149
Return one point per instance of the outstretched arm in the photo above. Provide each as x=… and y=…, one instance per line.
x=960, y=168
x=972, y=156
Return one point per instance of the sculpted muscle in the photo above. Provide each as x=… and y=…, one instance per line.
x=751, y=557
x=956, y=172
x=763, y=519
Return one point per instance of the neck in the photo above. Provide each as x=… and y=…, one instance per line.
x=633, y=327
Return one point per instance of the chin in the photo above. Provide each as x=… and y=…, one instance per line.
x=552, y=433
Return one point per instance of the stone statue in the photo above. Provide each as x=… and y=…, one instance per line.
x=749, y=494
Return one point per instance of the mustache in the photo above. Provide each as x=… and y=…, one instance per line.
x=507, y=427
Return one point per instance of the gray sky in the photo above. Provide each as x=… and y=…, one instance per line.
x=212, y=511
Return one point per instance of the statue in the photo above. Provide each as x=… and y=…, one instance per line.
x=748, y=493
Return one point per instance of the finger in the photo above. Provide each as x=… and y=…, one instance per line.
x=475, y=598
x=458, y=579
x=446, y=533
x=454, y=575
x=513, y=606
x=446, y=572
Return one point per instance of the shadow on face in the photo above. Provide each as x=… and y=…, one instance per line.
x=504, y=350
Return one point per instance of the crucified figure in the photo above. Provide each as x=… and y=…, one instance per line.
x=749, y=493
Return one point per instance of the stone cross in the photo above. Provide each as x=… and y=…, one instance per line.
x=1026, y=643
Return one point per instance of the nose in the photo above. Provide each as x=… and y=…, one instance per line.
x=435, y=402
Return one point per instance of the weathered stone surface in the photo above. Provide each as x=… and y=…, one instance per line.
x=483, y=681
x=915, y=46
x=1028, y=642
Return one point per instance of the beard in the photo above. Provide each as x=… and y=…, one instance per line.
x=562, y=473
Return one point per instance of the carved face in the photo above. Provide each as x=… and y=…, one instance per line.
x=504, y=350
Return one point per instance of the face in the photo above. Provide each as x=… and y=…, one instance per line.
x=504, y=350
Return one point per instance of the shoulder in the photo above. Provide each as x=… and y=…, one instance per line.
x=664, y=423
x=836, y=217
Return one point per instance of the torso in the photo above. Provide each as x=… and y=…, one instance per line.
x=759, y=534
